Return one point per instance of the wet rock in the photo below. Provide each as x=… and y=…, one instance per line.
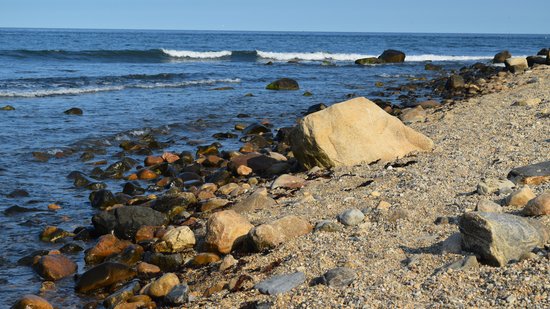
x=412, y=115
x=455, y=82
x=502, y=56
x=369, y=61
x=74, y=111
x=259, y=163
x=488, y=206
x=533, y=174
x=163, y=285
x=432, y=67
x=167, y=202
x=283, y=84
x=519, y=198
x=146, y=174
x=315, y=108
x=126, y=221
x=102, y=199
x=55, y=267
x=17, y=193
x=280, y=284
x=54, y=234
x=29, y=259
x=14, y=210
x=256, y=129
x=122, y=295
x=257, y=200
x=516, y=65
x=341, y=135
x=147, y=270
x=500, y=238
x=107, y=245
x=538, y=206
x=103, y=275
x=288, y=182
x=7, y=108
x=117, y=169
x=31, y=302
x=212, y=149
x=133, y=188
x=226, y=230
x=153, y=160
x=351, y=217
x=70, y=248
x=392, y=56
x=179, y=295
x=220, y=178
x=493, y=185
x=269, y=236
x=177, y=239
x=130, y=256
x=339, y=277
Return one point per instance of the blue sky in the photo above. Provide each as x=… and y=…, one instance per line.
x=479, y=16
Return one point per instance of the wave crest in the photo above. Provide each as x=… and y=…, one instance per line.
x=196, y=54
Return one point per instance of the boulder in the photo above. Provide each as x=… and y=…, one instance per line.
x=269, y=236
x=538, y=206
x=500, y=238
x=369, y=61
x=54, y=267
x=107, y=245
x=502, y=56
x=455, y=82
x=126, y=221
x=225, y=230
x=178, y=239
x=163, y=285
x=488, y=206
x=534, y=174
x=281, y=283
x=516, y=65
x=519, y=198
x=257, y=200
x=283, y=84
x=103, y=275
x=392, y=56
x=543, y=52
x=102, y=199
x=353, y=132
x=532, y=60
x=31, y=302
x=259, y=163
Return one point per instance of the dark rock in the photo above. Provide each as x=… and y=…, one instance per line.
x=18, y=193
x=7, y=108
x=280, y=284
x=500, y=238
x=307, y=94
x=256, y=129
x=80, y=179
x=369, y=61
x=543, y=52
x=54, y=234
x=212, y=149
x=455, y=82
x=532, y=60
x=102, y=199
x=432, y=67
x=502, y=56
x=339, y=277
x=133, y=188
x=283, y=84
x=533, y=174
x=103, y=275
x=95, y=186
x=31, y=302
x=256, y=161
x=130, y=256
x=41, y=156
x=117, y=169
x=122, y=295
x=86, y=156
x=226, y=135
x=70, y=248
x=179, y=295
x=220, y=178
x=315, y=108
x=13, y=210
x=167, y=202
x=392, y=56
x=74, y=111
x=126, y=221
x=166, y=262
x=29, y=259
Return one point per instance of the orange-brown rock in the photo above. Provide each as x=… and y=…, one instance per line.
x=107, y=245
x=31, y=302
x=268, y=236
x=212, y=161
x=205, y=195
x=132, y=177
x=54, y=207
x=103, y=275
x=205, y=258
x=55, y=267
x=243, y=170
x=146, y=174
x=164, y=181
x=147, y=270
x=538, y=206
x=225, y=230
x=153, y=160
x=170, y=157
x=145, y=232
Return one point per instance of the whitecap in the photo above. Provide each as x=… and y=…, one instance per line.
x=196, y=54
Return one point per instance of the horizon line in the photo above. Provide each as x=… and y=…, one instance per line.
x=273, y=31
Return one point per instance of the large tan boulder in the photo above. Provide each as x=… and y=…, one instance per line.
x=353, y=132
x=225, y=230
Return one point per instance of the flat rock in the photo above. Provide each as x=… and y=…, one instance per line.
x=225, y=230
x=280, y=284
x=339, y=277
x=288, y=182
x=103, y=275
x=533, y=174
x=494, y=185
x=342, y=135
x=488, y=206
x=538, y=206
x=351, y=217
x=256, y=201
x=500, y=238
x=268, y=236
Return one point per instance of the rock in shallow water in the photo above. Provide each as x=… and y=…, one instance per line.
x=283, y=84
x=280, y=284
x=32, y=302
x=127, y=220
x=103, y=275
x=55, y=267
x=500, y=238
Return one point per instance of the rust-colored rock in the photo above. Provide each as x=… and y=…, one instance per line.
x=32, y=302
x=146, y=232
x=147, y=270
x=205, y=258
x=146, y=174
x=153, y=160
x=55, y=267
x=106, y=246
x=170, y=157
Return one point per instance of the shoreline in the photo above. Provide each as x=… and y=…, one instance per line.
x=411, y=190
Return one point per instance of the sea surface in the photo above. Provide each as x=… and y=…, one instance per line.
x=130, y=83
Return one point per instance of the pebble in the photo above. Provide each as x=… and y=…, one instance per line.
x=351, y=217
x=163, y=285
x=228, y=262
x=488, y=206
x=339, y=277
x=494, y=185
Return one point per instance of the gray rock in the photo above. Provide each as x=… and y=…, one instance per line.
x=500, y=238
x=125, y=221
x=488, y=206
x=179, y=294
x=257, y=200
x=533, y=174
x=467, y=263
x=280, y=284
x=122, y=295
x=351, y=217
x=327, y=226
x=453, y=244
x=494, y=185
x=339, y=277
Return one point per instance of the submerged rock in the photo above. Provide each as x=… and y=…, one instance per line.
x=369, y=61
x=103, y=275
x=341, y=135
x=283, y=84
x=500, y=238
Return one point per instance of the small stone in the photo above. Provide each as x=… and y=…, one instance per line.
x=170, y=157
x=244, y=170
x=163, y=285
x=538, y=206
x=205, y=258
x=228, y=262
x=493, y=185
x=153, y=160
x=351, y=217
x=488, y=206
x=179, y=295
x=268, y=236
x=520, y=197
x=54, y=207
x=179, y=238
x=383, y=205
x=53, y=234
x=146, y=174
x=339, y=277
x=328, y=226
x=288, y=182
x=467, y=263
x=280, y=284
x=529, y=102
x=147, y=270
x=32, y=302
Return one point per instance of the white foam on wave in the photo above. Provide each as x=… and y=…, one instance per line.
x=310, y=56
x=431, y=57
x=76, y=91
x=195, y=54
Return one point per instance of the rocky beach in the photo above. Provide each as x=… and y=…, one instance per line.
x=449, y=210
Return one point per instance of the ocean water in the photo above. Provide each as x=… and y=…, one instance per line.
x=132, y=82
